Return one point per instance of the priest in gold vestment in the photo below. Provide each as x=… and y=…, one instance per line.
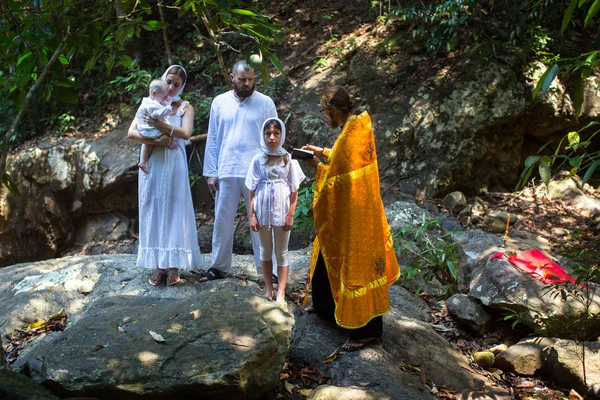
x=353, y=260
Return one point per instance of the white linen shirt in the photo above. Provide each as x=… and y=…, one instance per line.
x=272, y=186
x=234, y=132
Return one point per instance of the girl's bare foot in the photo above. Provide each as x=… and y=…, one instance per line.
x=281, y=296
x=269, y=294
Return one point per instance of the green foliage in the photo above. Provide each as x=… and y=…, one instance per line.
x=571, y=154
x=303, y=217
x=135, y=82
x=440, y=23
x=432, y=253
x=202, y=107
x=195, y=178
x=43, y=43
x=579, y=67
x=242, y=18
x=66, y=122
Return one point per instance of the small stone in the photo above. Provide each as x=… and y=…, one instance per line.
x=498, y=349
x=485, y=359
x=455, y=202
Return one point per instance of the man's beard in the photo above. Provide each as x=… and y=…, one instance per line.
x=243, y=92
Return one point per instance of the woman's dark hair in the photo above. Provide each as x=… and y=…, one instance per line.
x=274, y=123
x=338, y=97
x=179, y=72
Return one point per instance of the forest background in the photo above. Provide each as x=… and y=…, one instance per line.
x=65, y=64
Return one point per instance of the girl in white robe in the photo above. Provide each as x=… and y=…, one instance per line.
x=273, y=180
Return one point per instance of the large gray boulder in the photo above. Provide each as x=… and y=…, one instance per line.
x=564, y=360
x=408, y=343
x=469, y=312
x=61, y=183
x=500, y=285
x=15, y=386
x=524, y=358
x=223, y=339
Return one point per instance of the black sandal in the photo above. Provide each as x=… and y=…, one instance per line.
x=211, y=275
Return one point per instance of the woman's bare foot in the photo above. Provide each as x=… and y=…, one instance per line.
x=143, y=167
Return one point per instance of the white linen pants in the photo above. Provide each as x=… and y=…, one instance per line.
x=226, y=205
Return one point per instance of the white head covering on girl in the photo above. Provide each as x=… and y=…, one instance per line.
x=279, y=151
x=164, y=78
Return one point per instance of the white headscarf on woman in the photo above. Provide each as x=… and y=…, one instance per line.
x=164, y=78
x=279, y=151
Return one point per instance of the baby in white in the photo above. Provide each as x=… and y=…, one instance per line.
x=157, y=106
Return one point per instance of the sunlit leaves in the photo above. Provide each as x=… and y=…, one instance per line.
x=243, y=19
x=573, y=157
x=546, y=80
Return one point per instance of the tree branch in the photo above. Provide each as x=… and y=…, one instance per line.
x=41, y=78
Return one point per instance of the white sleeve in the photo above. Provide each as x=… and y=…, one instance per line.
x=211, y=152
x=271, y=111
x=253, y=176
x=162, y=113
x=295, y=176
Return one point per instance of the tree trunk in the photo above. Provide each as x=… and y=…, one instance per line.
x=215, y=40
x=161, y=11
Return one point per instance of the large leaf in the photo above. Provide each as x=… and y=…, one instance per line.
x=592, y=12
x=529, y=161
x=545, y=173
x=10, y=185
x=578, y=95
x=590, y=171
x=243, y=12
x=550, y=77
x=573, y=138
x=568, y=15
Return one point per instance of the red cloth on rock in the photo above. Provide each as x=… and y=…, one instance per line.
x=538, y=266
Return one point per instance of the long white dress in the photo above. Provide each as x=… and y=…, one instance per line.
x=168, y=236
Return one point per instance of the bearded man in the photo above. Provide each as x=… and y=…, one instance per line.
x=234, y=132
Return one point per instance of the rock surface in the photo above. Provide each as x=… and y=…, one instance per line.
x=499, y=285
x=223, y=338
x=525, y=357
x=469, y=312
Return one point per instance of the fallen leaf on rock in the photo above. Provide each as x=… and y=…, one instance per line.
x=332, y=356
x=98, y=347
x=289, y=387
x=157, y=337
x=308, y=392
x=60, y=314
x=413, y=368
x=35, y=325
x=573, y=395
